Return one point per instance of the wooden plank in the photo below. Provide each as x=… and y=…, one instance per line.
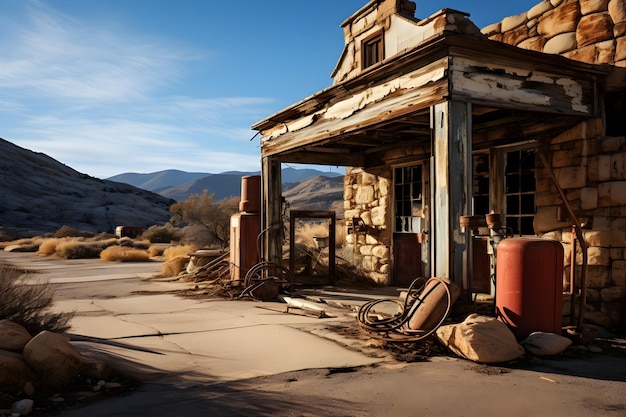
x=518, y=87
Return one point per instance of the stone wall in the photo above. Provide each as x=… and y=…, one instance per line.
x=590, y=169
x=589, y=166
x=368, y=197
x=591, y=31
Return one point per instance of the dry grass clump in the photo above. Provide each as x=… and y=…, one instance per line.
x=157, y=250
x=179, y=251
x=305, y=232
x=72, y=249
x=177, y=258
x=173, y=267
x=124, y=254
x=67, y=231
x=29, y=244
x=48, y=247
x=28, y=304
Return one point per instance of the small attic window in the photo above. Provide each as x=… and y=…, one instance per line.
x=372, y=50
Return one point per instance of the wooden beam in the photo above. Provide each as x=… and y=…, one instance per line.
x=452, y=191
x=271, y=211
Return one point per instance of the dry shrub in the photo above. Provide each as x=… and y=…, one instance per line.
x=30, y=244
x=48, y=247
x=305, y=232
x=156, y=250
x=124, y=254
x=141, y=244
x=67, y=231
x=178, y=251
x=174, y=266
x=72, y=249
x=28, y=304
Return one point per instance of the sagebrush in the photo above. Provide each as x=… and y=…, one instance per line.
x=28, y=303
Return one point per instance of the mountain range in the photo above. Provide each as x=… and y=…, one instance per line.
x=178, y=185
x=39, y=194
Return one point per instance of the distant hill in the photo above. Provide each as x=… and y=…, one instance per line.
x=223, y=185
x=38, y=194
x=317, y=193
x=156, y=180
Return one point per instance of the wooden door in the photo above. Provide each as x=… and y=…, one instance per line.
x=407, y=258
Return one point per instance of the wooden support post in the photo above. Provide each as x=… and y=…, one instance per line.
x=452, y=196
x=271, y=211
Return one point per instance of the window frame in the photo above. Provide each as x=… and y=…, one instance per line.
x=369, y=45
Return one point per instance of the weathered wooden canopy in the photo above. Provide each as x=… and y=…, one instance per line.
x=513, y=92
x=449, y=95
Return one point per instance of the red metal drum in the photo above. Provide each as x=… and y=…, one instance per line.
x=529, y=285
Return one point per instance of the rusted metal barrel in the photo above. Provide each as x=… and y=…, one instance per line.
x=529, y=285
x=434, y=303
x=250, y=194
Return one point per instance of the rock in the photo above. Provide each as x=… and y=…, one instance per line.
x=560, y=20
x=15, y=374
x=593, y=6
x=481, y=339
x=13, y=336
x=545, y=344
x=22, y=407
x=560, y=43
x=594, y=28
x=52, y=355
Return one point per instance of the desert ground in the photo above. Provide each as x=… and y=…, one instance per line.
x=196, y=355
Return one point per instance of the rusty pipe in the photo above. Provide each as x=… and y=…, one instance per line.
x=583, y=245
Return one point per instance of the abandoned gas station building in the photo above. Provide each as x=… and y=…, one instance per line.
x=440, y=121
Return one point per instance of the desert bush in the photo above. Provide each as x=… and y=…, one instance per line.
x=199, y=209
x=124, y=254
x=142, y=244
x=162, y=234
x=174, y=266
x=48, y=247
x=67, y=231
x=156, y=250
x=179, y=251
x=306, y=231
x=28, y=304
x=71, y=249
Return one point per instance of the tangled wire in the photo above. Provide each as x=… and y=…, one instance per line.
x=396, y=328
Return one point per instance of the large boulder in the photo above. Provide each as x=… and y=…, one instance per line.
x=481, y=339
x=13, y=337
x=53, y=356
x=16, y=376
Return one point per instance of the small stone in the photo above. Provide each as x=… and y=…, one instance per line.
x=594, y=349
x=22, y=407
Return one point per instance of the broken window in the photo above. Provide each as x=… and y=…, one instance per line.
x=409, y=199
x=372, y=50
x=519, y=191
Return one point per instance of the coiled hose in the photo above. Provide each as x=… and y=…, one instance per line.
x=396, y=328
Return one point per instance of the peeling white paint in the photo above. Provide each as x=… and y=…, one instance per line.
x=575, y=91
x=348, y=107
x=500, y=88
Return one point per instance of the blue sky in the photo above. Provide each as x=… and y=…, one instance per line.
x=114, y=86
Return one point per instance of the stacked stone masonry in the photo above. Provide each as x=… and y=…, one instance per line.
x=590, y=168
x=584, y=30
x=367, y=196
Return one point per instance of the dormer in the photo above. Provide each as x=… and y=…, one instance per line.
x=385, y=28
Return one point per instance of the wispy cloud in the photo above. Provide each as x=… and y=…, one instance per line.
x=104, y=101
x=56, y=56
